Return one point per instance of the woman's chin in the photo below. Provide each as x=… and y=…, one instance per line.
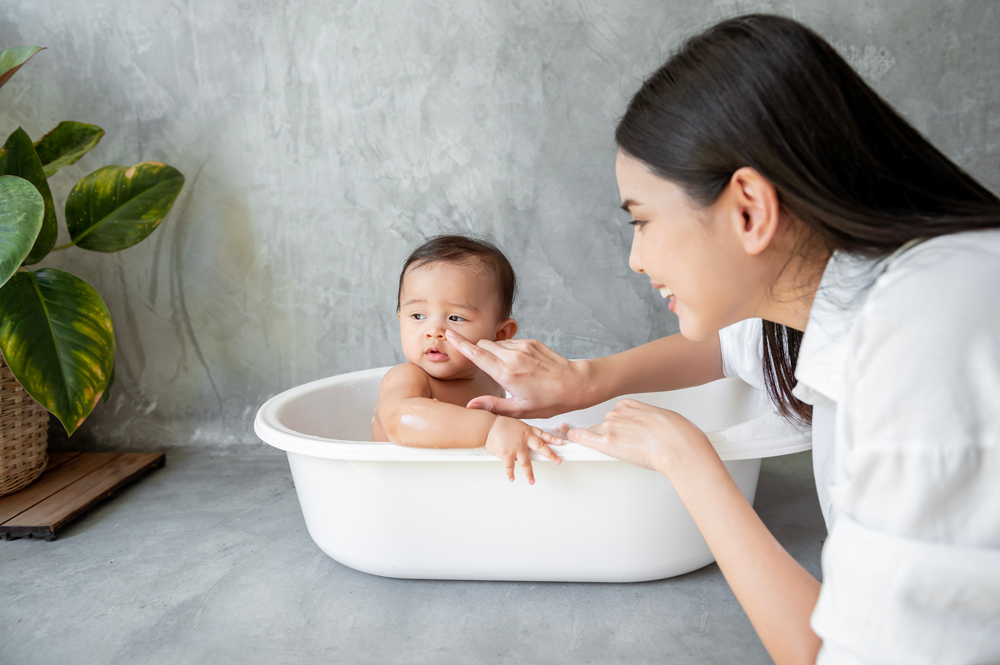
x=693, y=330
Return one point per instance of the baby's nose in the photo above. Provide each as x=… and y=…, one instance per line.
x=436, y=333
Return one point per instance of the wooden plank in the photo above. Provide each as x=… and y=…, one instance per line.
x=46, y=517
x=58, y=459
x=51, y=482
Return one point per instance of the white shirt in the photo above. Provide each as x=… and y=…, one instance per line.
x=901, y=360
x=742, y=356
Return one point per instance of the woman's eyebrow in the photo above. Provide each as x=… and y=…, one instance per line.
x=628, y=203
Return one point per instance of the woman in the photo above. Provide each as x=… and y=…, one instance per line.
x=767, y=180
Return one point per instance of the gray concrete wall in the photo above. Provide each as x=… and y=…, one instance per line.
x=322, y=140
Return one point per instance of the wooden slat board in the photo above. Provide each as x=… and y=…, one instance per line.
x=72, y=484
x=55, y=459
x=50, y=482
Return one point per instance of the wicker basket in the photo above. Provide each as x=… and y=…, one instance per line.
x=24, y=426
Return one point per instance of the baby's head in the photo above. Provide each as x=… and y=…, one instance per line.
x=458, y=283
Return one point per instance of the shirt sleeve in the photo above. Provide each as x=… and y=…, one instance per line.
x=742, y=347
x=911, y=569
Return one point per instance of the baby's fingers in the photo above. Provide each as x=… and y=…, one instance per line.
x=547, y=437
x=508, y=465
x=524, y=457
x=542, y=447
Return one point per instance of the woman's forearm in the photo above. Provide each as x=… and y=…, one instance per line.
x=421, y=422
x=670, y=363
x=776, y=592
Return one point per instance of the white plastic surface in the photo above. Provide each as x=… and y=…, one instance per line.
x=452, y=514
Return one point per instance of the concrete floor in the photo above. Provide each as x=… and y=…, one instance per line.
x=208, y=561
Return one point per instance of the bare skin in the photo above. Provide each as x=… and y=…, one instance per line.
x=421, y=402
x=736, y=259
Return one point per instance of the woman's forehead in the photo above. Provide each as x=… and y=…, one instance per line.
x=639, y=186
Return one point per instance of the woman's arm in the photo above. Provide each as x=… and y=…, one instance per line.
x=543, y=384
x=669, y=363
x=777, y=593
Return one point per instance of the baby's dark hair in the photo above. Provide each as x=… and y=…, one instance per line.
x=455, y=249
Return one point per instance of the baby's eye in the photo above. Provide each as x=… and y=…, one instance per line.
x=418, y=317
x=456, y=318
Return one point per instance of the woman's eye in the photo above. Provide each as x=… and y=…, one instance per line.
x=638, y=223
x=456, y=318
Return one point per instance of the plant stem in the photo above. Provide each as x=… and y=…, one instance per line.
x=61, y=247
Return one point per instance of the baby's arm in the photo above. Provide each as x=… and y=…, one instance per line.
x=411, y=417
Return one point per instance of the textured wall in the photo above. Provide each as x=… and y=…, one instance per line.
x=322, y=140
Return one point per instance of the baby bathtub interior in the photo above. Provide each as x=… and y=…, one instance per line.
x=452, y=514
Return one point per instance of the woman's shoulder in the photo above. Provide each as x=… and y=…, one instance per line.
x=944, y=282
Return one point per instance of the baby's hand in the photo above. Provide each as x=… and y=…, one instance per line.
x=510, y=440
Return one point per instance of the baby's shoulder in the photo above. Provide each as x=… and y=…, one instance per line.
x=406, y=377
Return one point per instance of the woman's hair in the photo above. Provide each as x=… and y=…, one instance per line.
x=769, y=93
x=459, y=249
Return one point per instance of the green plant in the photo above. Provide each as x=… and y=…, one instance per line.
x=55, y=333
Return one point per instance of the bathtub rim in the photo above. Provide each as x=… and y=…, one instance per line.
x=269, y=428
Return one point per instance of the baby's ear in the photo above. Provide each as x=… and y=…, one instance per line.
x=505, y=330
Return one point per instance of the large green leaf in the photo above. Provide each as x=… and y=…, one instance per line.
x=21, y=212
x=111, y=382
x=65, y=144
x=11, y=60
x=56, y=336
x=18, y=157
x=116, y=207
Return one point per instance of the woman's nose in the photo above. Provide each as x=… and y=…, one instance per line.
x=633, y=255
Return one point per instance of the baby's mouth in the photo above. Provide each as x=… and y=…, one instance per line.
x=436, y=355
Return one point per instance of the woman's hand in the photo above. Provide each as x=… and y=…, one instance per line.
x=645, y=436
x=541, y=383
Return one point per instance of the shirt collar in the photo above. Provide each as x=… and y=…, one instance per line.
x=819, y=370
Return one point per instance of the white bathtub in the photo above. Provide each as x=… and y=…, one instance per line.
x=452, y=514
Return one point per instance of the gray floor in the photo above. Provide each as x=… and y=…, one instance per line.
x=208, y=561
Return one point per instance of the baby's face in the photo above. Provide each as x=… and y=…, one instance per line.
x=439, y=296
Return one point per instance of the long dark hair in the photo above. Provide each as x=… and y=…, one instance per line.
x=769, y=93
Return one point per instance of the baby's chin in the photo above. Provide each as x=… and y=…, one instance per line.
x=449, y=369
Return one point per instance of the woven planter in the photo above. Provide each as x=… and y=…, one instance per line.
x=24, y=426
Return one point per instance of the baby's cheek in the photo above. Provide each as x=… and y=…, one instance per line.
x=460, y=362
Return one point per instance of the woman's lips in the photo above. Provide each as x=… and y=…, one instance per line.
x=435, y=355
x=664, y=291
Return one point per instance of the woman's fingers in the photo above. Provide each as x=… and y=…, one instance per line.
x=586, y=437
x=479, y=354
x=496, y=405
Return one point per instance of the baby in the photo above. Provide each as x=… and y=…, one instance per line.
x=466, y=285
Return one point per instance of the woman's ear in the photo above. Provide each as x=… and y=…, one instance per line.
x=505, y=330
x=756, y=209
